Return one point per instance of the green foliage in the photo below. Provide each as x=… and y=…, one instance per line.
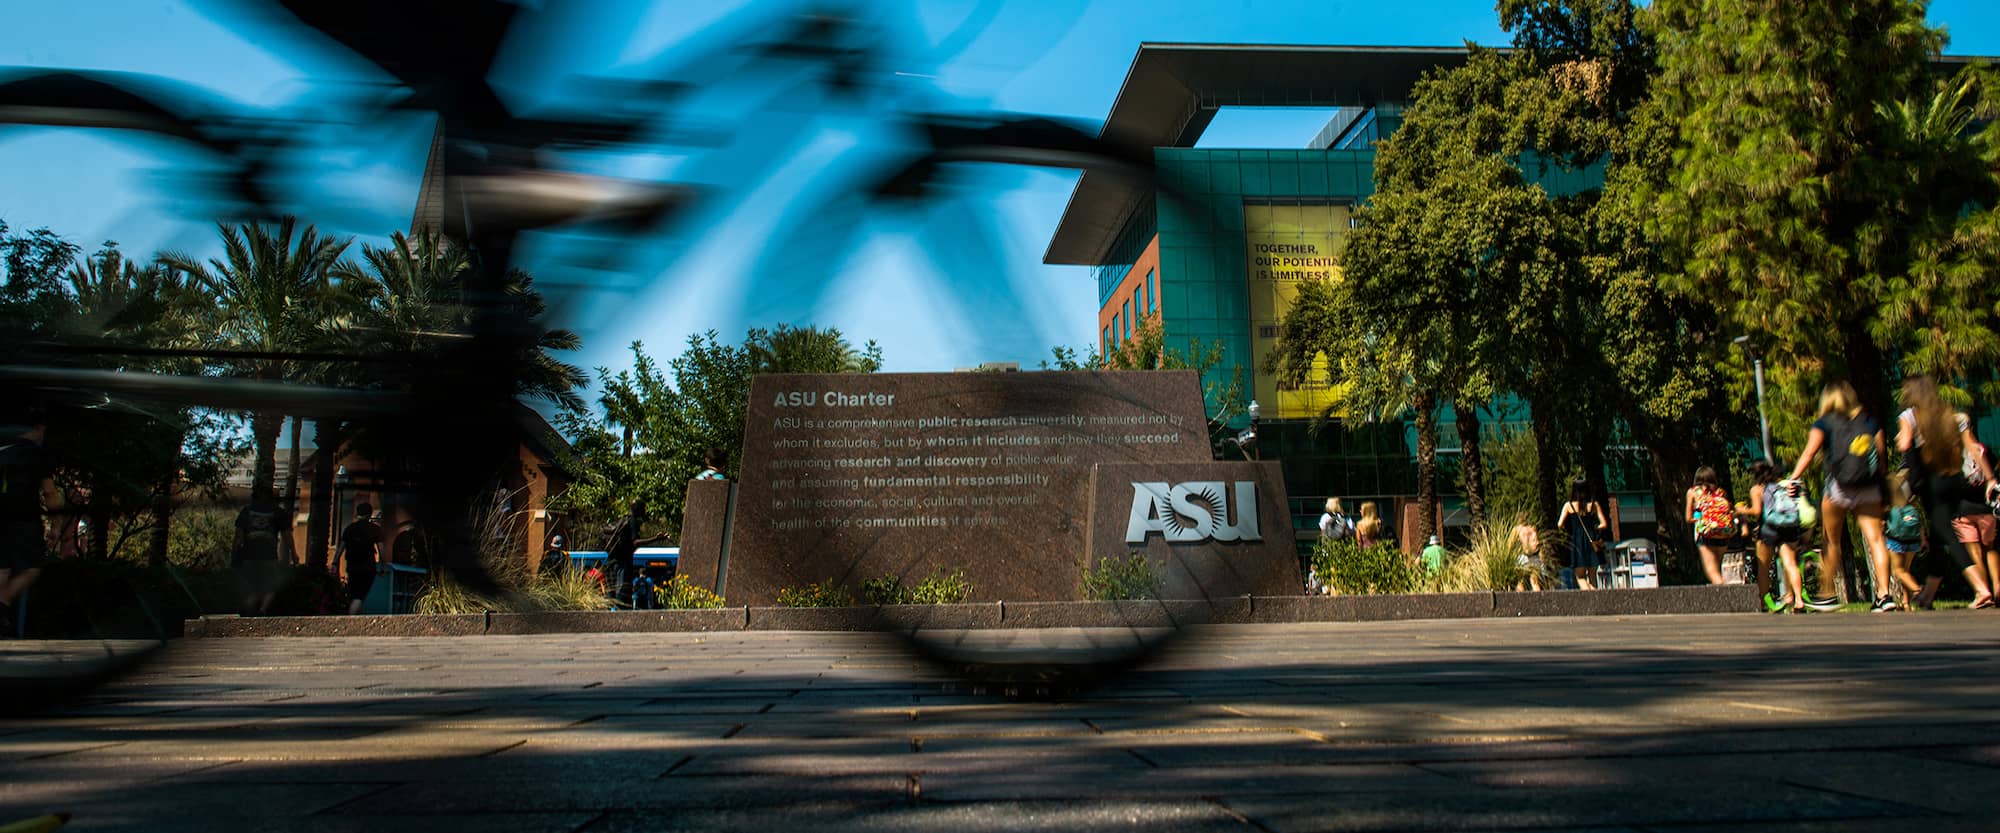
x=682, y=594
x=1147, y=349
x=815, y=595
x=1828, y=191
x=1116, y=579
x=1351, y=569
x=680, y=414
x=200, y=538
x=935, y=589
x=1511, y=478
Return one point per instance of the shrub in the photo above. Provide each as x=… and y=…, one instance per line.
x=887, y=590
x=1114, y=579
x=199, y=539
x=1491, y=561
x=815, y=595
x=940, y=589
x=681, y=594
x=1350, y=569
x=936, y=589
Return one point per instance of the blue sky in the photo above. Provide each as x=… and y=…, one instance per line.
x=949, y=287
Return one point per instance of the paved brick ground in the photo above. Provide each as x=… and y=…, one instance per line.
x=1712, y=723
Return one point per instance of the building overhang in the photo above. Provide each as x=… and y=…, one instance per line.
x=1172, y=91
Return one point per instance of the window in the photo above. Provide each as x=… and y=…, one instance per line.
x=1127, y=316
x=1105, y=340
x=1152, y=290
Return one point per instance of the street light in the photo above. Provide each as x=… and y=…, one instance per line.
x=1248, y=438
x=1763, y=422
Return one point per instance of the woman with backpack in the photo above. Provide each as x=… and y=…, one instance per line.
x=1714, y=520
x=1774, y=513
x=1856, y=465
x=1582, y=522
x=1934, y=448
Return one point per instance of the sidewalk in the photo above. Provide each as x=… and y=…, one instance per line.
x=1708, y=723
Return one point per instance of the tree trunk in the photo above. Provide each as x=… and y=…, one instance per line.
x=1548, y=465
x=1426, y=405
x=264, y=432
x=1472, y=464
x=100, y=526
x=328, y=437
x=1591, y=455
x=1673, y=469
x=163, y=516
x=1868, y=372
x=292, y=476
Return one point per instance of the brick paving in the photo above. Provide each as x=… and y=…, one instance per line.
x=1705, y=723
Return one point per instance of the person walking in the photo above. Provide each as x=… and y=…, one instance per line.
x=360, y=548
x=1774, y=514
x=1856, y=468
x=1583, y=522
x=259, y=543
x=1368, y=532
x=1936, y=456
x=555, y=559
x=623, y=544
x=1905, y=531
x=1707, y=505
x=1333, y=524
x=27, y=490
x=1972, y=517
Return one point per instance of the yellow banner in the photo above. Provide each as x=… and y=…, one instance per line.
x=1288, y=244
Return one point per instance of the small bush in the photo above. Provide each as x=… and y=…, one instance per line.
x=1492, y=561
x=199, y=539
x=887, y=590
x=1352, y=570
x=936, y=589
x=443, y=595
x=1114, y=579
x=940, y=589
x=681, y=594
x=815, y=595
x=567, y=590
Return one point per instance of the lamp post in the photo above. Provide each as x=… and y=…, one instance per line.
x=340, y=481
x=1763, y=422
x=1248, y=439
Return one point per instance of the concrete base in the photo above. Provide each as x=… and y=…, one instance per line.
x=1131, y=614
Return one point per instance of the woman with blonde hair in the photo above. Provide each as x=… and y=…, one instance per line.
x=1938, y=466
x=1334, y=525
x=1368, y=532
x=1856, y=472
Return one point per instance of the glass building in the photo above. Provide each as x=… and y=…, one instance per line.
x=1217, y=248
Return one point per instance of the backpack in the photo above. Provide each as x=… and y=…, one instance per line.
x=1905, y=524
x=1781, y=507
x=1713, y=517
x=260, y=535
x=1852, y=458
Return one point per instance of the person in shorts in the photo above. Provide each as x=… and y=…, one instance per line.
x=27, y=486
x=359, y=550
x=1842, y=415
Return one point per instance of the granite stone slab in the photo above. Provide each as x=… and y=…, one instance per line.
x=847, y=477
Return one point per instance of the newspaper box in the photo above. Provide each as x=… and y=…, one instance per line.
x=1634, y=564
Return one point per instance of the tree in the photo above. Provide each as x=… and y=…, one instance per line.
x=268, y=295
x=654, y=432
x=1147, y=350
x=414, y=299
x=1827, y=216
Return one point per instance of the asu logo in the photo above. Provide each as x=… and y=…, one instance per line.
x=1197, y=511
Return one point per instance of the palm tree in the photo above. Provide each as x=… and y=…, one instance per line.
x=416, y=303
x=269, y=295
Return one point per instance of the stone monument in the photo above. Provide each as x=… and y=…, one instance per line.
x=1019, y=480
